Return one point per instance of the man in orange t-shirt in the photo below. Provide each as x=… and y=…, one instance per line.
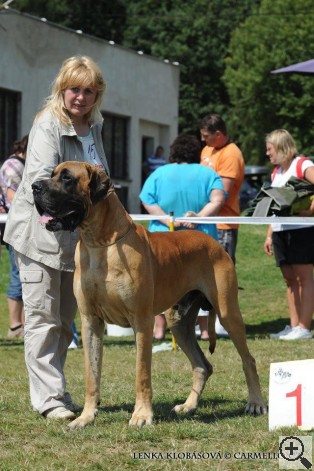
x=226, y=159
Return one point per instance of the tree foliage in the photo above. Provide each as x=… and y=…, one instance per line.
x=195, y=34
x=101, y=18
x=278, y=35
x=226, y=50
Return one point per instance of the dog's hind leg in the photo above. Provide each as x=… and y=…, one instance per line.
x=183, y=329
x=92, y=336
x=227, y=307
x=236, y=330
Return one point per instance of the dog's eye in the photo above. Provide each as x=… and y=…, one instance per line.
x=66, y=178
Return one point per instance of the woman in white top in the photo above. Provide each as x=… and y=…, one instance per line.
x=293, y=245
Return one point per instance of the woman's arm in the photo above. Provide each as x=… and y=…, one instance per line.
x=309, y=176
x=212, y=208
x=43, y=153
x=10, y=195
x=217, y=198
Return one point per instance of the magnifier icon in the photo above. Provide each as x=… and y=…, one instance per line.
x=292, y=451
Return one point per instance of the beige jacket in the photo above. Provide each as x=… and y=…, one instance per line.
x=49, y=144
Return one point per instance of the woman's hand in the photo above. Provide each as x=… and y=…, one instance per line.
x=189, y=225
x=154, y=210
x=307, y=212
x=268, y=246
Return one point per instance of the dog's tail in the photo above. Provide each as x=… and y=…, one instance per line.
x=211, y=330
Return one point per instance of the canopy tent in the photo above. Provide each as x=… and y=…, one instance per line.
x=306, y=67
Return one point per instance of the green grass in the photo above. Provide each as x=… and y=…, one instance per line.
x=28, y=442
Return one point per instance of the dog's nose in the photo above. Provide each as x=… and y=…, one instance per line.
x=36, y=187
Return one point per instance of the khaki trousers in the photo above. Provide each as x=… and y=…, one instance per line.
x=50, y=308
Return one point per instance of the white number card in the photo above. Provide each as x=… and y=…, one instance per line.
x=291, y=394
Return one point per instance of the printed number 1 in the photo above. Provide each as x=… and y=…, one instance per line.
x=297, y=393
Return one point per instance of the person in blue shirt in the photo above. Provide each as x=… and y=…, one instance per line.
x=156, y=160
x=184, y=187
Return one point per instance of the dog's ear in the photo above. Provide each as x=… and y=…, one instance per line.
x=99, y=185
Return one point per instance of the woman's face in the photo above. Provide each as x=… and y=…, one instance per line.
x=271, y=153
x=79, y=101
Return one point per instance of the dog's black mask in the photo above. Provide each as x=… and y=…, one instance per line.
x=59, y=204
x=63, y=200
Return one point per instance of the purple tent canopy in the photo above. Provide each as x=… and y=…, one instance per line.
x=306, y=67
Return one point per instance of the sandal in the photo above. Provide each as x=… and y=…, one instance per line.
x=16, y=332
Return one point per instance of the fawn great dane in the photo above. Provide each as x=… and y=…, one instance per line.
x=126, y=275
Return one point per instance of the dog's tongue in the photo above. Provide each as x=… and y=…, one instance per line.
x=45, y=218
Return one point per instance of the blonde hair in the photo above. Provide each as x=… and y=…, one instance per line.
x=76, y=71
x=283, y=143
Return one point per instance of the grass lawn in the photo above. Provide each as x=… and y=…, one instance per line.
x=28, y=442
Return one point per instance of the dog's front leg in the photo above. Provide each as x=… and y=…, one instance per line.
x=92, y=336
x=143, y=412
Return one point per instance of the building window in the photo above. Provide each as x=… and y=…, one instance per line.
x=9, y=121
x=115, y=145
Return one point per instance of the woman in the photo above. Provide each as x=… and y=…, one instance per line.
x=293, y=245
x=10, y=178
x=68, y=128
x=183, y=186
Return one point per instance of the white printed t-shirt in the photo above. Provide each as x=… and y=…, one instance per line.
x=90, y=152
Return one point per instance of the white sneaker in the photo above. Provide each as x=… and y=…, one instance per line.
x=297, y=333
x=59, y=413
x=197, y=331
x=220, y=330
x=285, y=331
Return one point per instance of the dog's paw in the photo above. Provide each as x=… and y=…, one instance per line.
x=256, y=409
x=82, y=421
x=184, y=409
x=141, y=420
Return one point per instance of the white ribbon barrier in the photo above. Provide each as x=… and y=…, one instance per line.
x=229, y=220
x=307, y=221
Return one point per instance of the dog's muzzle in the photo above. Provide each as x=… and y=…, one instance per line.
x=58, y=211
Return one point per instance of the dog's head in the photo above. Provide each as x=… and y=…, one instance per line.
x=63, y=201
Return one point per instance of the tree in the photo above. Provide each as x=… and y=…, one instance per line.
x=195, y=34
x=278, y=35
x=102, y=18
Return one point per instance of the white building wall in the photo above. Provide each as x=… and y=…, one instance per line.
x=139, y=87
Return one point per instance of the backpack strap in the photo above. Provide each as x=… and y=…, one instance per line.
x=273, y=174
x=262, y=208
x=300, y=174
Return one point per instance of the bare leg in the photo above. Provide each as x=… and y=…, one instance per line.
x=300, y=288
x=304, y=276
x=203, y=323
x=293, y=294
x=16, y=312
x=160, y=327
